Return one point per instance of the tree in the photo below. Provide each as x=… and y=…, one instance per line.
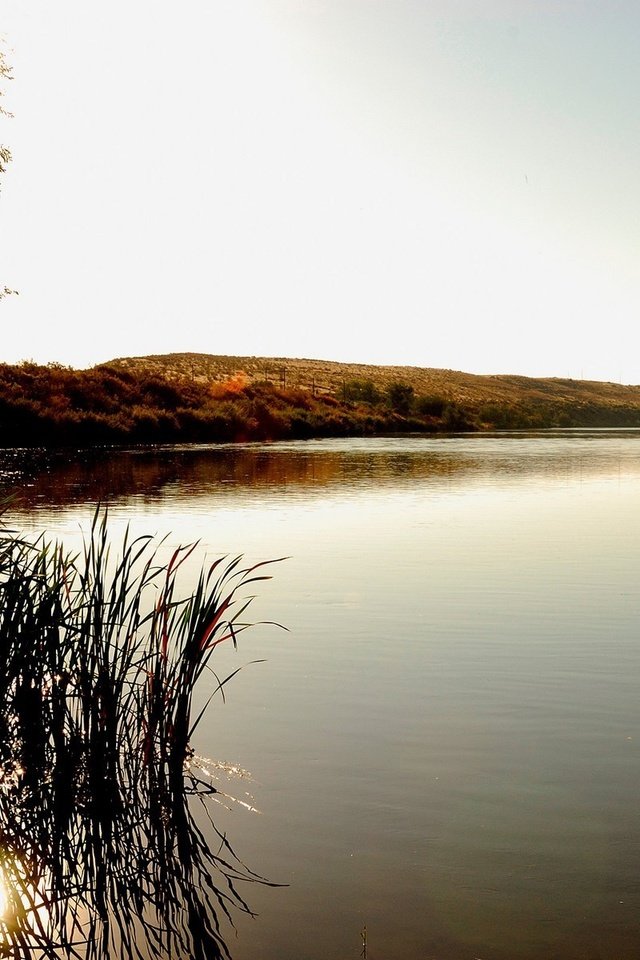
x=5, y=152
x=5, y=74
x=364, y=391
x=400, y=397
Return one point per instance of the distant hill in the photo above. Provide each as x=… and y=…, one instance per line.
x=329, y=376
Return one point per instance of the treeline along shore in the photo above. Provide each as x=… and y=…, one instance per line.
x=203, y=398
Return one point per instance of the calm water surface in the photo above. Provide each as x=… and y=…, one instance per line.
x=445, y=744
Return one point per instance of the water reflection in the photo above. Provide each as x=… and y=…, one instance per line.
x=56, y=478
x=103, y=853
x=453, y=716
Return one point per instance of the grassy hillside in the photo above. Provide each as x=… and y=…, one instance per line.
x=499, y=400
x=202, y=398
x=328, y=375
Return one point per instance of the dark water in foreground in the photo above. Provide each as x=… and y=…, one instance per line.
x=445, y=745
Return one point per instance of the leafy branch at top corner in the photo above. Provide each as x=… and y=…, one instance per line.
x=6, y=73
x=5, y=152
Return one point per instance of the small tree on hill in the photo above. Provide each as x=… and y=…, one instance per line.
x=363, y=391
x=400, y=396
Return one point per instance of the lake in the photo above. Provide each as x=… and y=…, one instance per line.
x=445, y=742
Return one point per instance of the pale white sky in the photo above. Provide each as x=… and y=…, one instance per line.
x=446, y=183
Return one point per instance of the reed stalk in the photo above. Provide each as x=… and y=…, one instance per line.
x=100, y=852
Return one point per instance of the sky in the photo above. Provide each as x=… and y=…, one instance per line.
x=440, y=183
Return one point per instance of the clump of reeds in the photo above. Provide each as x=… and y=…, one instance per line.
x=100, y=854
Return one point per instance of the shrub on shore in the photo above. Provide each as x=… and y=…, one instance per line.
x=56, y=406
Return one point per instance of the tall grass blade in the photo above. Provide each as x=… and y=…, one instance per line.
x=100, y=852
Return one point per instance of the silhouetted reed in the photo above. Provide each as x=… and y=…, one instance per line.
x=101, y=854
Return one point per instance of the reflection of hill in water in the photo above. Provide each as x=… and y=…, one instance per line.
x=64, y=478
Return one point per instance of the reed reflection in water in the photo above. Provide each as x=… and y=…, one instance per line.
x=101, y=852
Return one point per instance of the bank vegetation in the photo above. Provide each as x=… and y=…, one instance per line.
x=201, y=398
